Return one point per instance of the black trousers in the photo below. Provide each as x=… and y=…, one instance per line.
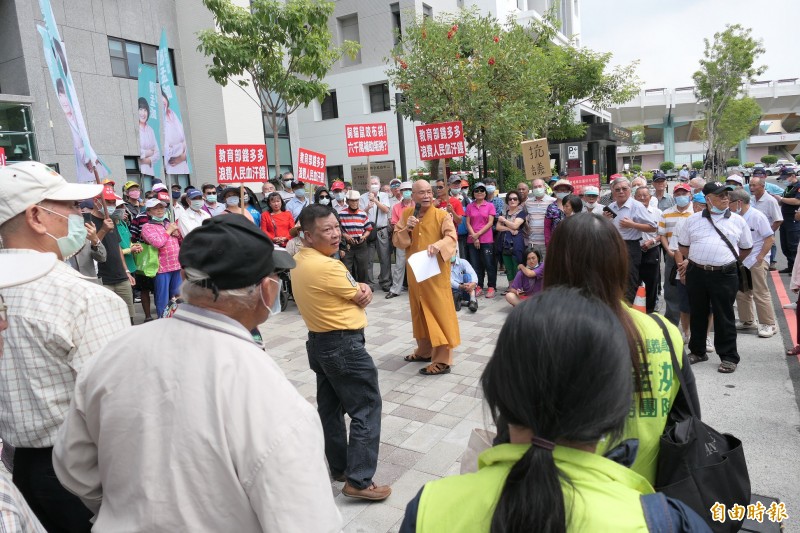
x=649, y=270
x=719, y=290
x=56, y=508
x=634, y=260
x=356, y=259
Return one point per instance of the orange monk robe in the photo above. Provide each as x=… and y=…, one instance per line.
x=433, y=314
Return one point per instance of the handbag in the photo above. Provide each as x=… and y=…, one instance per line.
x=744, y=274
x=147, y=261
x=698, y=465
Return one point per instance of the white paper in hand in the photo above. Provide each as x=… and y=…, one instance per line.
x=423, y=265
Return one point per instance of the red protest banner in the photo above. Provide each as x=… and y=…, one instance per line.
x=581, y=182
x=443, y=140
x=366, y=139
x=2, y=156
x=311, y=167
x=241, y=162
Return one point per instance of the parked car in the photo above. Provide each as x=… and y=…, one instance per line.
x=776, y=169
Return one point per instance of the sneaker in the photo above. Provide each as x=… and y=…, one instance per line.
x=773, y=267
x=478, y=291
x=490, y=292
x=709, y=346
x=473, y=305
x=766, y=331
x=790, y=306
x=372, y=493
x=746, y=325
x=137, y=300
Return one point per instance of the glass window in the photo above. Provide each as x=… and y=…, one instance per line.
x=149, y=54
x=335, y=173
x=126, y=56
x=134, y=53
x=379, y=97
x=115, y=48
x=397, y=28
x=330, y=107
x=283, y=128
x=16, y=132
x=348, y=31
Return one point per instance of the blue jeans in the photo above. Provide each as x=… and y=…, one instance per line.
x=167, y=284
x=347, y=382
x=484, y=264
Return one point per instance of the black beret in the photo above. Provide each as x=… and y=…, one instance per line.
x=233, y=252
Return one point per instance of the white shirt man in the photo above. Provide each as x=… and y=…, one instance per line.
x=193, y=217
x=376, y=204
x=286, y=192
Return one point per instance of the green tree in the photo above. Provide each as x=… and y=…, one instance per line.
x=728, y=62
x=666, y=166
x=637, y=138
x=697, y=165
x=283, y=49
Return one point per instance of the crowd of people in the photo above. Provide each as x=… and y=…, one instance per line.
x=99, y=433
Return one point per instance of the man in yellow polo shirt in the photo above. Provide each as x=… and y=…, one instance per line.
x=332, y=305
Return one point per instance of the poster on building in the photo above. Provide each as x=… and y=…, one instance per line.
x=579, y=183
x=55, y=55
x=311, y=167
x=176, y=149
x=238, y=163
x=385, y=170
x=147, y=117
x=366, y=139
x=536, y=156
x=441, y=141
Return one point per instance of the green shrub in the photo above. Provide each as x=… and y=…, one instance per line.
x=769, y=159
x=636, y=168
x=749, y=164
x=666, y=166
x=697, y=165
x=732, y=162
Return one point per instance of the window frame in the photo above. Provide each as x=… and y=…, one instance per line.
x=386, y=97
x=334, y=104
x=124, y=58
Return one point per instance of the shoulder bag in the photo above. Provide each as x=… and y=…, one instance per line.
x=698, y=465
x=745, y=276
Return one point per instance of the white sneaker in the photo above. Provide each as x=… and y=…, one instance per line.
x=709, y=346
x=766, y=331
x=745, y=325
x=790, y=306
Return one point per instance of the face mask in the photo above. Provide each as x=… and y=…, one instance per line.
x=339, y=196
x=196, y=204
x=406, y=195
x=111, y=211
x=300, y=193
x=455, y=192
x=301, y=234
x=561, y=195
x=682, y=201
x=287, y=183
x=324, y=201
x=738, y=211
x=490, y=189
x=134, y=195
x=158, y=219
x=231, y=201
x=276, y=305
x=453, y=259
x=538, y=192
x=590, y=205
x=374, y=188
x=176, y=195
x=716, y=210
x=75, y=238
x=246, y=198
x=211, y=198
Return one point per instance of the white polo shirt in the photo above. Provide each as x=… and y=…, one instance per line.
x=705, y=245
x=760, y=229
x=767, y=205
x=635, y=211
x=656, y=214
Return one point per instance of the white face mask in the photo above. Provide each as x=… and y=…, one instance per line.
x=374, y=189
x=538, y=192
x=275, y=308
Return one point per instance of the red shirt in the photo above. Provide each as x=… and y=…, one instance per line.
x=458, y=209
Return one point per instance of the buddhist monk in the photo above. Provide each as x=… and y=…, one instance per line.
x=425, y=228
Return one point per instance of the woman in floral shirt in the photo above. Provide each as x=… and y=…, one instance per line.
x=166, y=237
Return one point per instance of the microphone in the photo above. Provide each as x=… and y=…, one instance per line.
x=416, y=211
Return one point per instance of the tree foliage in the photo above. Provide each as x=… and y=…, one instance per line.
x=728, y=63
x=769, y=159
x=282, y=48
x=504, y=82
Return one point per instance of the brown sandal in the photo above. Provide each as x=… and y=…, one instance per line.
x=414, y=358
x=434, y=369
x=794, y=351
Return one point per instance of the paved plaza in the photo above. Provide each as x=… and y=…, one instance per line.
x=427, y=421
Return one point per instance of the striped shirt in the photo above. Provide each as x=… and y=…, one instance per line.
x=669, y=219
x=354, y=224
x=536, y=210
x=55, y=325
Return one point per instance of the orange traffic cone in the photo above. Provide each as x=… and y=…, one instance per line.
x=640, y=301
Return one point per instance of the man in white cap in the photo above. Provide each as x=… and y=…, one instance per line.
x=56, y=324
x=590, y=203
x=16, y=269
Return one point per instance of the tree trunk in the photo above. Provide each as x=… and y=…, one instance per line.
x=435, y=170
x=276, y=151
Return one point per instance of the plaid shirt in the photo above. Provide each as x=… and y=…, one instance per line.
x=55, y=324
x=155, y=234
x=15, y=515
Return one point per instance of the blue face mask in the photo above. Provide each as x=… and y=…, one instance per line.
x=407, y=195
x=490, y=189
x=211, y=198
x=74, y=240
x=275, y=308
x=300, y=193
x=716, y=210
x=561, y=195
x=682, y=201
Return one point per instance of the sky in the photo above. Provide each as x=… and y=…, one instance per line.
x=666, y=36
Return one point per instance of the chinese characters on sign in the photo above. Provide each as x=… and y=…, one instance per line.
x=536, y=155
x=241, y=162
x=441, y=141
x=366, y=139
x=579, y=183
x=311, y=167
x=776, y=512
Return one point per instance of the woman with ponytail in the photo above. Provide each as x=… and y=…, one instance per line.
x=560, y=378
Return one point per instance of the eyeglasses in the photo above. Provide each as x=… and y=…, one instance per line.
x=440, y=187
x=513, y=199
x=3, y=310
x=321, y=196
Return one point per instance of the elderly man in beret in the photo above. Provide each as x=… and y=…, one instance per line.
x=209, y=439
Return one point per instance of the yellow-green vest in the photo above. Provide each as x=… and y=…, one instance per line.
x=607, y=493
x=649, y=411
